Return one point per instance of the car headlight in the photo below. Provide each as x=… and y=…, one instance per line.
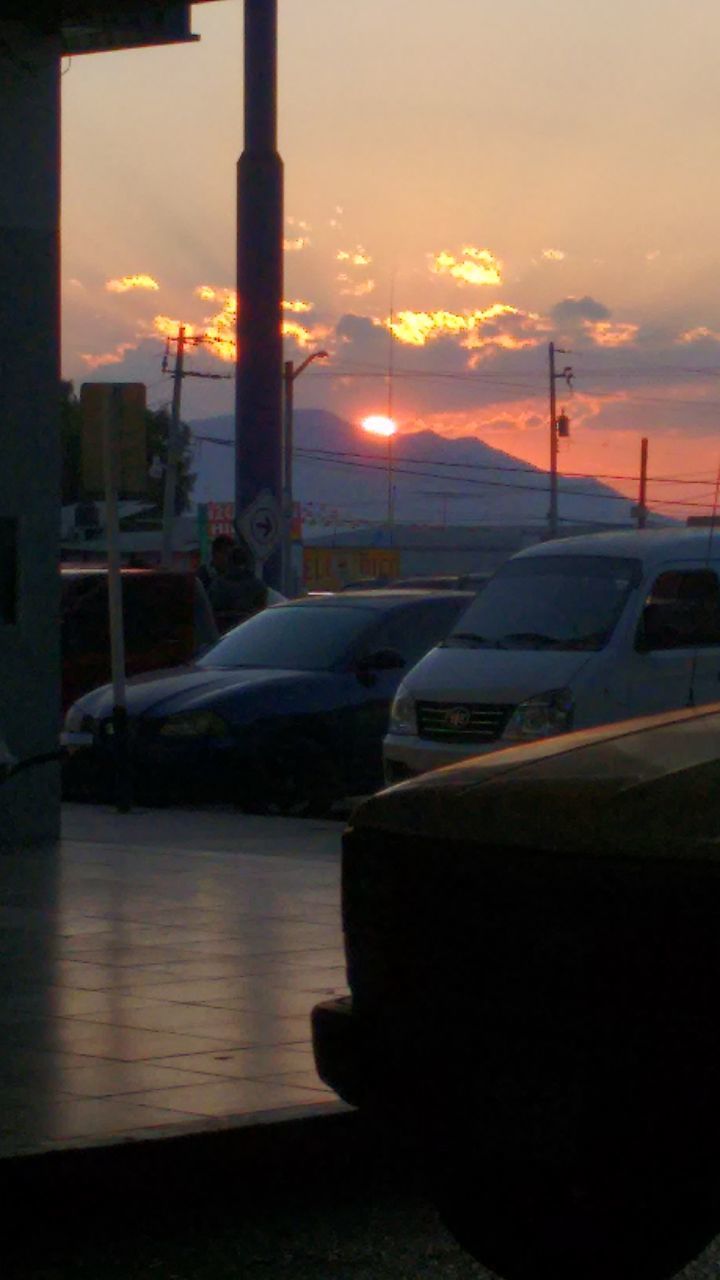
x=194, y=724
x=403, y=716
x=541, y=716
x=74, y=719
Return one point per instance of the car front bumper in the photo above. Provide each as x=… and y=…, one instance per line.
x=406, y=757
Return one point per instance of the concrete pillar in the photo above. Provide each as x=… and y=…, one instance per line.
x=260, y=276
x=29, y=427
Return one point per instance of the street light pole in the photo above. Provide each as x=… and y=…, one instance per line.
x=290, y=373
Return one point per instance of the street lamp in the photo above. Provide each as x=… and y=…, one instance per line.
x=290, y=373
x=378, y=425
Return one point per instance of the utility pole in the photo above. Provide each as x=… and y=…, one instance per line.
x=567, y=374
x=290, y=373
x=173, y=443
x=642, y=495
x=173, y=450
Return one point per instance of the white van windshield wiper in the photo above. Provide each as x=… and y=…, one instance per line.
x=466, y=640
x=535, y=638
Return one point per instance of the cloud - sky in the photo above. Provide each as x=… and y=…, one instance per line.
x=494, y=176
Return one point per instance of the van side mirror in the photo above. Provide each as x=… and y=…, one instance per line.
x=381, y=660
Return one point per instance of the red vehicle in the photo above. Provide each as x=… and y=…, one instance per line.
x=167, y=614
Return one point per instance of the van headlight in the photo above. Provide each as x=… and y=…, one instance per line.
x=74, y=719
x=194, y=724
x=403, y=716
x=541, y=716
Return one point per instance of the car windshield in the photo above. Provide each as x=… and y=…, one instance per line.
x=292, y=637
x=549, y=602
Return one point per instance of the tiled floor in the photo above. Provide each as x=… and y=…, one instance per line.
x=158, y=972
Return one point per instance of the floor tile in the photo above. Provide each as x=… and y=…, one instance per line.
x=101, y=1079
x=122, y=1044
x=180, y=1019
x=158, y=974
x=225, y=1097
x=251, y=1063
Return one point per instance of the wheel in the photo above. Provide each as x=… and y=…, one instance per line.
x=296, y=779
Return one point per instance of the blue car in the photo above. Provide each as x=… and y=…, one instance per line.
x=285, y=714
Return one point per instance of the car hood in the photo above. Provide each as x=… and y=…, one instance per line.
x=185, y=688
x=648, y=787
x=493, y=675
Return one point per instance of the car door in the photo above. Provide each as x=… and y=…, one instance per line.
x=676, y=658
x=410, y=630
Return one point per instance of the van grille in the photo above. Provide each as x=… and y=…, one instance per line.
x=462, y=721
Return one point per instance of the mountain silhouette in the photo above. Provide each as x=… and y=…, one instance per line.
x=341, y=477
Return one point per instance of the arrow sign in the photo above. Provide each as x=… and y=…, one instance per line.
x=261, y=525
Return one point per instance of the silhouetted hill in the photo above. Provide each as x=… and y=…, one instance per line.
x=437, y=480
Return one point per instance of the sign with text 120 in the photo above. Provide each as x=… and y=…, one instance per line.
x=220, y=519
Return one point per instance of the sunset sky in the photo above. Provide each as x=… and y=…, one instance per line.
x=496, y=176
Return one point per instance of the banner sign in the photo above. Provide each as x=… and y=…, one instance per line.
x=330, y=568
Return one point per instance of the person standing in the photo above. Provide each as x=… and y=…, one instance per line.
x=237, y=593
x=220, y=552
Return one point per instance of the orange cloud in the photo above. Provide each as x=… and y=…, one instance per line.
x=219, y=329
x=296, y=244
x=206, y=292
x=354, y=257
x=110, y=357
x=125, y=283
x=166, y=327
x=297, y=306
x=478, y=328
x=354, y=288
x=305, y=337
x=553, y=255
x=477, y=266
x=605, y=333
x=700, y=334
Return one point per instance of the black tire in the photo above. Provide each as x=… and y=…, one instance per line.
x=297, y=779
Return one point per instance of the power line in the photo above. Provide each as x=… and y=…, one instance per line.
x=494, y=484
x=340, y=454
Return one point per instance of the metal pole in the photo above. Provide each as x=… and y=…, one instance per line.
x=553, y=513
x=642, y=496
x=259, y=370
x=288, y=379
x=173, y=455
x=112, y=416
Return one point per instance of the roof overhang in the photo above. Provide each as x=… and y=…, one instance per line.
x=100, y=26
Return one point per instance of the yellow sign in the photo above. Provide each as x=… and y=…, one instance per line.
x=122, y=405
x=330, y=568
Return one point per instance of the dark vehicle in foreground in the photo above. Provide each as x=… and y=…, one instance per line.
x=533, y=954
x=286, y=713
x=167, y=617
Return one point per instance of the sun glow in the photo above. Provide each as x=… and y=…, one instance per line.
x=378, y=425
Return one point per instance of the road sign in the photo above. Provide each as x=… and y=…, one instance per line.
x=122, y=404
x=261, y=525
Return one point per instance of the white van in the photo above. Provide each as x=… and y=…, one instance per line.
x=567, y=634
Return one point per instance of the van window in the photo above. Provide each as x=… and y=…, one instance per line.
x=549, y=602
x=682, y=611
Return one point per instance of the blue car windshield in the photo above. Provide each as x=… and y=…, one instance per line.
x=292, y=638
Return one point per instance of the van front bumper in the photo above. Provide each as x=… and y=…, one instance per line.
x=405, y=756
